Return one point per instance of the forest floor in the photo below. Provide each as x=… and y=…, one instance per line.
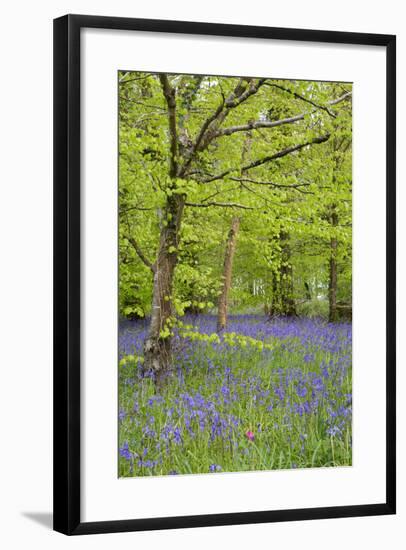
x=269, y=394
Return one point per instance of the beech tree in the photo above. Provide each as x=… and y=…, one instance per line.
x=227, y=274
x=201, y=154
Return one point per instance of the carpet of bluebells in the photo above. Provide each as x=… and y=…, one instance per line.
x=238, y=407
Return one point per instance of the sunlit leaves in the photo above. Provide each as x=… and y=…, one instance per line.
x=294, y=193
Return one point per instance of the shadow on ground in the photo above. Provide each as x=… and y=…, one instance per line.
x=42, y=518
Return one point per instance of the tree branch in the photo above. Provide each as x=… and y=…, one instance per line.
x=140, y=253
x=263, y=160
x=122, y=81
x=295, y=186
x=130, y=208
x=347, y=95
x=258, y=124
x=302, y=98
x=129, y=100
x=265, y=199
x=287, y=151
x=222, y=204
x=169, y=94
x=238, y=96
x=208, y=130
x=273, y=124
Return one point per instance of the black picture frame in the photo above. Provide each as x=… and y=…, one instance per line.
x=67, y=254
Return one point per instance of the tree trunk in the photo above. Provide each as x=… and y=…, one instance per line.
x=282, y=285
x=332, y=289
x=227, y=273
x=289, y=307
x=308, y=292
x=157, y=345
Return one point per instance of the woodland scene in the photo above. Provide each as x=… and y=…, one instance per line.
x=235, y=274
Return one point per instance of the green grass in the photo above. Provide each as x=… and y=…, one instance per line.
x=296, y=401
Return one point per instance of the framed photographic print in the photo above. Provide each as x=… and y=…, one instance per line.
x=224, y=269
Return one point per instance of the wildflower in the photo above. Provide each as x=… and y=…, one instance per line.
x=307, y=408
x=333, y=431
x=299, y=409
x=125, y=452
x=177, y=437
x=280, y=392
x=318, y=384
x=225, y=391
x=148, y=432
x=301, y=390
x=215, y=397
x=250, y=435
x=147, y=463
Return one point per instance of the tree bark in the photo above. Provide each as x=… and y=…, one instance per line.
x=157, y=346
x=227, y=274
x=282, y=288
x=332, y=289
x=308, y=292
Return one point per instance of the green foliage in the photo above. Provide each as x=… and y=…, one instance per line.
x=294, y=194
x=313, y=308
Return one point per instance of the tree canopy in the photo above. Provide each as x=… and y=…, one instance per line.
x=275, y=154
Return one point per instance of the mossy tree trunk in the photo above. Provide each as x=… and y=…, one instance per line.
x=332, y=287
x=227, y=274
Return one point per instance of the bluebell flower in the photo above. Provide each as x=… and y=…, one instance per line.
x=125, y=452
x=177, y=437
x=301, y=390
